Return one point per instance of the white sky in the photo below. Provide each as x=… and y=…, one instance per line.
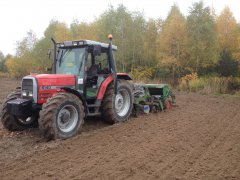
x=19, y=16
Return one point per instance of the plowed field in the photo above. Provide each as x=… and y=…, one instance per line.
x=197, y=139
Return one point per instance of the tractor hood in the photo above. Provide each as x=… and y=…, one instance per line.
x=44, y=86
x=58, y=80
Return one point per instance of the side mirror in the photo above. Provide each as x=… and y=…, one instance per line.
x=49, y=53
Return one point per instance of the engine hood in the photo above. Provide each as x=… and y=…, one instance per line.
x=55, y=79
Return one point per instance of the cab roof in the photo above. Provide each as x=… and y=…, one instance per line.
x=84, y=43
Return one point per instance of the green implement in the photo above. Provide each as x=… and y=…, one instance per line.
x=152, y=98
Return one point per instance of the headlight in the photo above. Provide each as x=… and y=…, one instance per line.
x=27, y=93
x=24, y=93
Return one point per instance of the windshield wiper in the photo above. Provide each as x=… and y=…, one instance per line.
x=60, y=59
x=62, y=55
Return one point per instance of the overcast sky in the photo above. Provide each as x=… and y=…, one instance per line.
x=19, y=16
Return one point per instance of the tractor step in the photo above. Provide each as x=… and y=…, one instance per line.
x=94, y=114
x=93, y=105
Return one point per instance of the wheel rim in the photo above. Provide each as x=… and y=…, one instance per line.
x=67, y=118
x=122, y=102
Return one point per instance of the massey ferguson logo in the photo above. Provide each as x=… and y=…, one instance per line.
x=54, y=87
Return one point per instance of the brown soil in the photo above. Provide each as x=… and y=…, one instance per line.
x=197, y=139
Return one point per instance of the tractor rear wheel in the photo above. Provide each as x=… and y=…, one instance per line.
x=117, y=108
x=13, y=123
x=61, y=117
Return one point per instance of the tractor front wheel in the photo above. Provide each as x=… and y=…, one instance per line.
x=117, y=108
x=61, y=117
x=14, y=123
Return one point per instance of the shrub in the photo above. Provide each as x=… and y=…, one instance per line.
x=196, y=85
x=142, y=73
x=209, y=85
x=184, y=83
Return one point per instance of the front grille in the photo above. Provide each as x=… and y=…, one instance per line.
x=27, y=85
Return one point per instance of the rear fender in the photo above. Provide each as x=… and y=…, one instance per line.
x=107, y=81
x=103, y=87
x=124, y=76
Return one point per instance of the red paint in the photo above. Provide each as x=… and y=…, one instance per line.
x=103, y=87
x=55, y=79
x=168, y=104
x=122, y=74
x=107, y=81
x=52, y=80
x=43, y=95
x=67, y=80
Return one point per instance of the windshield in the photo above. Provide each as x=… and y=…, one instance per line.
x=70, y=61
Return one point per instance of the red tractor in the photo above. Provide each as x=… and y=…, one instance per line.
x=84, y=82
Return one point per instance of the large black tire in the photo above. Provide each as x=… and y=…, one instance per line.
x=11, y=122
x=109, y=109
x=63, y=109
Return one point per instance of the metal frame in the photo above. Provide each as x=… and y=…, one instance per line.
x=83, y=43
x=35, y=87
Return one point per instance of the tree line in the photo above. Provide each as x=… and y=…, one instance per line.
x=202, y=43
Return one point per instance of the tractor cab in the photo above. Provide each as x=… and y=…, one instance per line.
x=88, y=60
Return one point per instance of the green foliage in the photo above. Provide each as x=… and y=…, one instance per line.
x=186, y=80
x=142, y=74
x=57, y=30
x=148, y=48
x=172, y=42
x=18, y=67
x=150, y=43
x=227, y=31
x=24, y=62
x=227, y=65
x=202, y=44
x=209, y=85
x=1, y=61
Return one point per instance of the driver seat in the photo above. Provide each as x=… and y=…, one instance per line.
x=93, y=70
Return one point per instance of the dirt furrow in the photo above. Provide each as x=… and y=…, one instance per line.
x=197, y=139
